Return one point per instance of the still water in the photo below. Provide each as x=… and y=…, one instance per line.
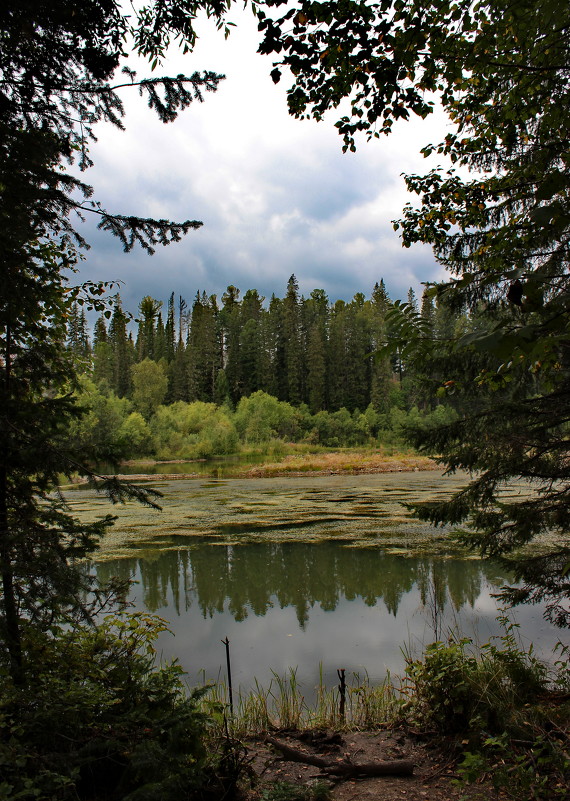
x=301, y=572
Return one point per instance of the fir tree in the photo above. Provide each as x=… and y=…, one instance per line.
x=316, y=314
x=230, y=324
x=275, y=345
x=292, y=341
x=148, y=313
x=170, y=331
x=250, y=344
x=202, y=348
x=381, y=369
x=123, y=350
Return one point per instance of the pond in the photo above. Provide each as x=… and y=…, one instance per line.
x=314, y=573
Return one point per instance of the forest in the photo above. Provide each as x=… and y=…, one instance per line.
x=85, y=711
x=212, y=379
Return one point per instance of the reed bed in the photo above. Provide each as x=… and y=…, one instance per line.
x=283, y=705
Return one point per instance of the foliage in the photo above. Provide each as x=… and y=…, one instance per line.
x=149, y=387
x=455, y=689
x=103, y=722
x=500, y=71
x=286, y=791
x=260, y=417
x=541, y=770
x=99, y=431
x=109, y=431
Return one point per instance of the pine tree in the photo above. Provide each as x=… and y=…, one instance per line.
x=230, y=325
x=103, y=355
x=122, y=350
x=170, y=331
x=292, y=342
x=275, y=346
x=358, y=354
x=77, y=332
x=381, y=369
x=148, y=313
x=202, y=348
x=316, y=310
x=250, y=344
x=178, y=378
x=337, y=357
x=159, y=340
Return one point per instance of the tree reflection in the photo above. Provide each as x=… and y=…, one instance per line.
x=252, y=578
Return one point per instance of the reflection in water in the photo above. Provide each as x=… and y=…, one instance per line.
x=276, y=601
x=248, y=579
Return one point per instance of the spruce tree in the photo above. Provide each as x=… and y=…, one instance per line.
x=381, y=370
x=250, y=344
x=358, y=354
x=170, y=330
x=149, y=309
x=230, y=325
x=275, y=344
x=122, y=349
x=202, y=348
x=316, y=312
x=292, y=342
x=337, y=357
x=103, y=355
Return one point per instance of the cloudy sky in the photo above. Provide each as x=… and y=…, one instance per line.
x=277, y=196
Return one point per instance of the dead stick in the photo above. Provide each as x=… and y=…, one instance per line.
x=395, y=767
x=226, y=642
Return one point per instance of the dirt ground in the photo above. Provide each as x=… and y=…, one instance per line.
x=432, y=779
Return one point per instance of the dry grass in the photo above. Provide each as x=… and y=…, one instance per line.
x=339, y=462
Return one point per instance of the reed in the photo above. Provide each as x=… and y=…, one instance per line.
x=283, y=705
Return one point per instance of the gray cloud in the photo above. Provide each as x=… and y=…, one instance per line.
x=277, y=196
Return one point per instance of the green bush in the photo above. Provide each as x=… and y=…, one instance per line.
x=98, y=720
x=136, y=436
x=195, y=430
x=455, y=689
x=97, y=434
x=261, y=417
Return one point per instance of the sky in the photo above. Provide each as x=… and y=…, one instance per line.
x=276, y=195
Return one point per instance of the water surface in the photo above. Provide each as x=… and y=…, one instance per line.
x=300, y=571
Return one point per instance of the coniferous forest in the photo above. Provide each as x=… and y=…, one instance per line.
x=196, y=380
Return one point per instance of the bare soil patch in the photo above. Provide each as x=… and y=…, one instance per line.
x=432, y=779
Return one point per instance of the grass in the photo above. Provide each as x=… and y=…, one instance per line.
x=282, y=705
x=348, y=460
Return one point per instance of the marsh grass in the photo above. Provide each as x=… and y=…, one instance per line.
x=348, y=460
x=283, y=705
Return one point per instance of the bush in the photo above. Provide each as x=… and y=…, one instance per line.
x=195, y=430
x=98, y=720
x=97, y=434
x=136, y=436
x=454, y=690
x=261, y=417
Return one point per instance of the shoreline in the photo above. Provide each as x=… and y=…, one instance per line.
x=297, y=466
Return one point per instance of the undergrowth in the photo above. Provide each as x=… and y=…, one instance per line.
x=508, y=713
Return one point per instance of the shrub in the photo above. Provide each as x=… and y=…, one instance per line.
x=455, y=690
x=98, y=720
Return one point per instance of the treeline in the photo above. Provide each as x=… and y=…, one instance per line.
x=299, y=350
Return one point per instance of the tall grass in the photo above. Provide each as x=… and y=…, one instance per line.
x=283, y=705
